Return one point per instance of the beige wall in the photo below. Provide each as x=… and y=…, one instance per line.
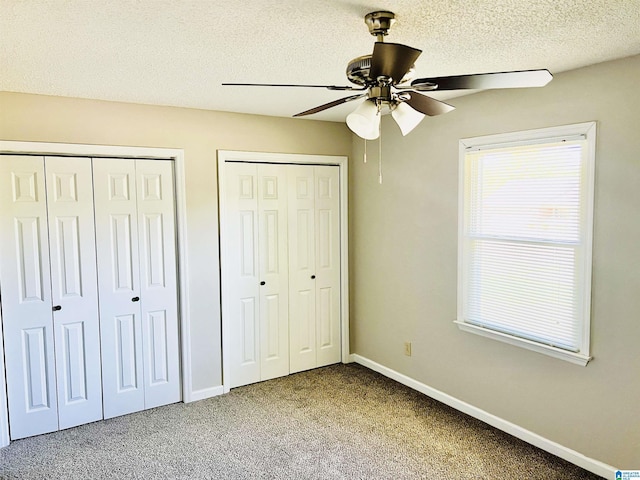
x=200, y=133
x=403, y=251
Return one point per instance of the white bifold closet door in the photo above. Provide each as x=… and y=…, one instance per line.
x=256, y=281
x=281, y=269
x=314, y=267
x=49, y=293
x=136, y=252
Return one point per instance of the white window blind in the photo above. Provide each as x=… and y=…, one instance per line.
x=524, y=241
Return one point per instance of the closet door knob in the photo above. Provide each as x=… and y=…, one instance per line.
x=135, y=299
x=56, y=308
x=313, y=277
x=263, y=283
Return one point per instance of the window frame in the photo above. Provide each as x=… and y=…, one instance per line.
x=537, y=136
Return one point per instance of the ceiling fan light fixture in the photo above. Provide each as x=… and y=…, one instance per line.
x=364, y=121
x=406, y=117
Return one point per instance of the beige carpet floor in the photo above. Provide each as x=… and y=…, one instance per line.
x=338, y=422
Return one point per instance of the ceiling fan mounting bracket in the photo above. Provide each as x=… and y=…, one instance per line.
x=379, y=23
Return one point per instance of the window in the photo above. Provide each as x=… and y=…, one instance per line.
x=526, y=216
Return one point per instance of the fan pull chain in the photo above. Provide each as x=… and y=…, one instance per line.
x=380, y=154
x=365, y=151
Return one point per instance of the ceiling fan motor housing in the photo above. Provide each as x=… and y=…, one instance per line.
x=359, y=68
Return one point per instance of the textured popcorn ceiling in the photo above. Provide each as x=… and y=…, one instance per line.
x=178, y=52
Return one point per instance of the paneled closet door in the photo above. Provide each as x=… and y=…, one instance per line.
x=273, y=261
x=241, y=282
x=118, y=285
x=158, y=282
x=74, y=290
x=255, y=276
x=314, y=266
x=26, y=297
x=302, y=268
x=137, y=281
x=327, y=215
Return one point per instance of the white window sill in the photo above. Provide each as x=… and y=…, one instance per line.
x=555, y=352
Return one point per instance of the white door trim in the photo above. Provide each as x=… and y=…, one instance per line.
x=301, y=159
x=177, y=155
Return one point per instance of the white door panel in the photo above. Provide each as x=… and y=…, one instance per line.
x=303, y=326
x=126, y=376
x=34, y=351
x=240, y=288
x=26, y=297
x=118, y=285
x=302, y=268
x=74, y=289
x=327, y=207
x=158, y=282
x=247, y=322
x=158, y=348
x=272, y=238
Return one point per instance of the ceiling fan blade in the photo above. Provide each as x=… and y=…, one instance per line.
x=328, y=87
x=427, y=105
x=392, y=60
x=484, y=81
x=329, y=105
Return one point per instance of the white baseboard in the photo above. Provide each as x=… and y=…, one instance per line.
x=554, y=448
x=204, y=393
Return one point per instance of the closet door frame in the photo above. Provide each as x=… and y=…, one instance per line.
x=82, y=150
x=226, y=156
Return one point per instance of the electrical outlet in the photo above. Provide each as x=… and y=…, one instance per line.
x=407, y=349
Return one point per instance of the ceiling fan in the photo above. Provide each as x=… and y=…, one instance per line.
x=386, y=78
